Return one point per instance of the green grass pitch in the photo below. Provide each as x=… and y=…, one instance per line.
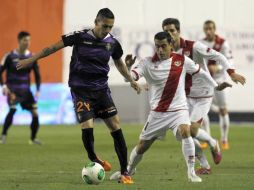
x=57, y=164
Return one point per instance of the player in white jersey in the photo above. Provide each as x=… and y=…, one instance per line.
x=219, y=44
x=169, y=110
x=199, y=92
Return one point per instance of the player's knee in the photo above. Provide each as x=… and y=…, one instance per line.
x=12, y=111
x=87, y=124
x=34, y=112
x=194, y=129
x=113, y=123
x=143, y=146
x=184, y=131
x=223, y=111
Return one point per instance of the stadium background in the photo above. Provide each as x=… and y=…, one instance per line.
x=135, y=24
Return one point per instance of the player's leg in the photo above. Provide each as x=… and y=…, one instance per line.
x=199, y=111
x=188, y=149
x=34, y=126
x=11, y=99
x=206, y=127
x=224, y=120
x=119, y=141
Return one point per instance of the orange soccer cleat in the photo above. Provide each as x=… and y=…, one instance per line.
x=204, y=145
x=126, y=179
x=105, y=164
x=224, y=145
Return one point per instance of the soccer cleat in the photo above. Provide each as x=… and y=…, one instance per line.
x=105, y=164
x=3, y=139
x=216, y=153
x=115, y=176
x=203, y=171
x=224, y=145
x=192, y=177
x=126, y=179
x=204, y=145
x=35, y=141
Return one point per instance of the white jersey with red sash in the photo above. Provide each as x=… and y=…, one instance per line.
x=222, y=46
x=166, y=81
x=197, y=87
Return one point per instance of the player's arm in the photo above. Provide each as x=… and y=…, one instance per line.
x=194, y=69
x=122, y=68
x=3, y=66
x=211, y=54
x=43, y=53
x=37, y=77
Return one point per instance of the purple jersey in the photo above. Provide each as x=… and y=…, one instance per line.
x=17, y=80
x=90, y=56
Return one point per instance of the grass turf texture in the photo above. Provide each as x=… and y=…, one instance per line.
x=57, y=164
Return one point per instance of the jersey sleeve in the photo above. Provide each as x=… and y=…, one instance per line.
x=71, y=38
x=117, y=51
x=138, y=70
x=210, y=54
x=191, y=67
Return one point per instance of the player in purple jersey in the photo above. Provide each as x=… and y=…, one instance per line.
x=88, y=80
x=17, y=86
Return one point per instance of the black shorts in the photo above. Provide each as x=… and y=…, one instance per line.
x=93, y=104
x=25, y=98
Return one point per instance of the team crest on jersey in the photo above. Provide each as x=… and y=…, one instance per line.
x=177, y=63
x=108, y=46
x=187, y=53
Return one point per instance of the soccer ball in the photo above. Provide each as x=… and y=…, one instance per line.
x=93, y=173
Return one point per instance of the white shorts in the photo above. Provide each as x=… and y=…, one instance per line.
x=219, y=98
x=199, y=108
x=159, y=122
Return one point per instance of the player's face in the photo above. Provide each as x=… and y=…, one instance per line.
x=103, y=27
x=25, y=42
x=171, y=29
x=209, y=30
x=163, y=49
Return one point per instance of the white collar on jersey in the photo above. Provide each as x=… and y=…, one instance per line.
x=90, y=32
x=27, y=52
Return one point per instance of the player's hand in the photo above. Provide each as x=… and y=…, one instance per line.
x=136, y=86
x=6, y=90
x=129, y=61
x=146, y=87
x=237, y=78
x=222, y=86
x=37, y=95
x=24, y=63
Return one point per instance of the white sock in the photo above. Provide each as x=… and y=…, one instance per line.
x=206, y=124
x=135, y=158
x=200, y=155
x=224, y=126
x=202, y=135
x=188, y=149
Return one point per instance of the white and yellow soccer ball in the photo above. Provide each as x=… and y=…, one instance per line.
x=93, y=173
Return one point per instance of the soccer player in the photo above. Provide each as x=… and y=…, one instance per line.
x=213, y=41
x=199, y=93
x=88, y=80
x=17, y=86
x=165, y=75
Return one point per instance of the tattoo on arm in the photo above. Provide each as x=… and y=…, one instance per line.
x=48, y=50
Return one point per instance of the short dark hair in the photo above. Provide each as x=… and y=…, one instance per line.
x=174, y=21
x=163, y=35
x=105, y=13
x=23, y=34
x=210, y=22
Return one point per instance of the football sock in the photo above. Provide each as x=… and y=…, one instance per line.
x=206, y=124
x=135, y=158
x=224, y=126
x=188, y=149
x=202, y=135
x=88, y=141
x=200, y=155
x=34, y=127
x=120, y=148
x=8, y=121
